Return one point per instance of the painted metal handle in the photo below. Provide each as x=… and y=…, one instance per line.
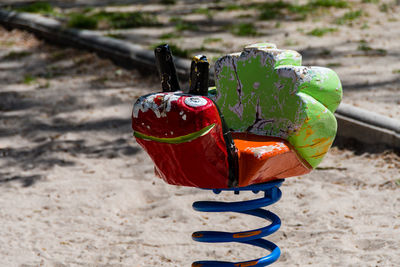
x=272, y=194
x=166, y=68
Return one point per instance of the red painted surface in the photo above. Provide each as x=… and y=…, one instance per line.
x=202, y=162
x=180, y=119
x=199, y=163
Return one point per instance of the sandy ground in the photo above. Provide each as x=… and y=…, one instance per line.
x=365, y=51
x=76, y=189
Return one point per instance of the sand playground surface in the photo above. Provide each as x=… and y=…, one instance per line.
x=76, y=189
x=359, y=41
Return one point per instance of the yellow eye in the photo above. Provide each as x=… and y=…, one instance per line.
x=195, y=101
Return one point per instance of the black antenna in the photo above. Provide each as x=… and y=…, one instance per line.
x=166, y=68
x=199, y=76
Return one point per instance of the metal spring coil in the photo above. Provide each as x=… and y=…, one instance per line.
x=272, y=194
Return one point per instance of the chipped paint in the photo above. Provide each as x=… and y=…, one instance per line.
x=160, y=104
x=255, y=68
x=195, y=101
x=265, y=91
x=261, y=151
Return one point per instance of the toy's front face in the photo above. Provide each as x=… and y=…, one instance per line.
x=173, y=116
x=182, y=133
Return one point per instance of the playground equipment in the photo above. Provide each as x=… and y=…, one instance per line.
x=268, y=118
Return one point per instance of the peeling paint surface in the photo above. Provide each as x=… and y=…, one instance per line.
x=265, y=91
x=261, y=151
x=159, y=103
x=264, y=158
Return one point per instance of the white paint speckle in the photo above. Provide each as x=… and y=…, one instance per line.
x=146, y=103
x=262, y=150
x=195, y=101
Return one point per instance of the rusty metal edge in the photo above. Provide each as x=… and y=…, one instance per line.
x=354, y=123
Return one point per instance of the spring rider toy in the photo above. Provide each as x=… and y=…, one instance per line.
x=268, y=118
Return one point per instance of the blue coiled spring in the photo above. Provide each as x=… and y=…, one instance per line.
x=272, y=194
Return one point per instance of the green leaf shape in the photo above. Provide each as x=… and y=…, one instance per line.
x=324, y=86
x=266, y=91
x=313, y=140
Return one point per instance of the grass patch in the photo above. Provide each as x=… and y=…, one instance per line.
x=244, y=29
x=38, y=7
x=232, y=7
x=124, y=20
x=45, y=85
x=211, y=40
x=396, y=71
x=324, y=53
x=274, y=10
x=319, y=32
x=13, y=55
x=349, y=16
x=365, y=26
x=58, y=55
x=87, y=10
x=29, y=79
x=384, y=8
x=175, y=50
x=268, y=14
x=205, y=11
x=182, y=25
x=169, y=35
x=245, y=16
x=112, y=20
x=334, y=64
x=364, y=46
x=381, y=52
x=329, y=3
x=81, y=21
x=7, y=43
x=289, y=42
x=116, y=36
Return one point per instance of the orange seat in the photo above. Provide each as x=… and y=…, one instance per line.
x=264, y=158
